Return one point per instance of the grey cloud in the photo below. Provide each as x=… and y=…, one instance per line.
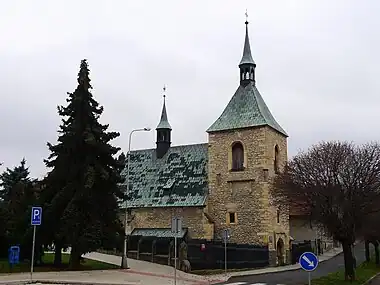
x=316, y=61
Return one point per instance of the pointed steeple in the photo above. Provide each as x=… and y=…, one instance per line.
x=247, y=55
x=164, y=130
x=164, y=122
x=247, y=65
x=246, y=108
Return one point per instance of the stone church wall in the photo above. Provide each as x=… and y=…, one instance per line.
x=193, y=218
x=247, y=193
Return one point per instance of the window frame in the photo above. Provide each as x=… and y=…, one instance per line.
x=237, y=152
x=276, y=159
x=228, y=218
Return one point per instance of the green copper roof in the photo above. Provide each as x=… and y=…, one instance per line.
x=245, y=109
x=177, y=179
x=247, y=56
x=164, y=122
x=157, y=232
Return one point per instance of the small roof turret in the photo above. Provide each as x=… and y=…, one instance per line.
x=247, y=55
x=164, y=122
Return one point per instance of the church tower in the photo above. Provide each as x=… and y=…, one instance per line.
x=163, y=130
x=247, y=147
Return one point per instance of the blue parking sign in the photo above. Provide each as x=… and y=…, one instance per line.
x=36, y=216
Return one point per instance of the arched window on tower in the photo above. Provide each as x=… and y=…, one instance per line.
x=237, y=157
x=246, y=74
x=276, y=160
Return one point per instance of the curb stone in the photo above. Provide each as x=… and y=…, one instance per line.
x=60, y=282
x=370, y=280
x=37, y=282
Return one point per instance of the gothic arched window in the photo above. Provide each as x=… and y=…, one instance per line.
x=276, y=158
x=237, y=157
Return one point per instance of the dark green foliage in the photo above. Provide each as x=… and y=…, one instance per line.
x=122, y=158
x=18, y=212
x=18, y=197
x=82, y=187
x=3, y=235
x=10, y=177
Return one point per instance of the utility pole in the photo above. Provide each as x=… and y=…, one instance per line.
x=124, y=262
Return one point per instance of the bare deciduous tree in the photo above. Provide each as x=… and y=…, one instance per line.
x=338, y=183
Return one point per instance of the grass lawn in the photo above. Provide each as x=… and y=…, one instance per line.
x=48, y=259
x=363, y=272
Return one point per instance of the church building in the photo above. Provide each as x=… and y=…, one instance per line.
x=222, y=184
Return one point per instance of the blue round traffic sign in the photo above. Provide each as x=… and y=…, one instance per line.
x=308, y=261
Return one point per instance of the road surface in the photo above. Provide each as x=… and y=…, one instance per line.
x=375, y=281
x=298, y=276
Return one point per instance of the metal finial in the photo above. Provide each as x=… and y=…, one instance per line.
x=246, y=16
x=164, y=89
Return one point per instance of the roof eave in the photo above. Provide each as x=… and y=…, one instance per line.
x=164, y=125
x=216, y=130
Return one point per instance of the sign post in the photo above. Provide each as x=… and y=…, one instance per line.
x=226, y=237
x=176, y=229
x=309, y=262
x=36, y=220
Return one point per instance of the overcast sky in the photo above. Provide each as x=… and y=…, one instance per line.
x=317, y=67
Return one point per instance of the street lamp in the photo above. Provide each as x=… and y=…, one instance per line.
x=124, y=263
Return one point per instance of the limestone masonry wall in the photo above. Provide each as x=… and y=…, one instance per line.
x=246, y=193
x=193, y=218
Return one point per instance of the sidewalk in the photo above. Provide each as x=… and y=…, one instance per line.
x=100, y=277
x=140, y=273
x=154, y=269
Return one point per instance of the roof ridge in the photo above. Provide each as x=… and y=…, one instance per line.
x=174, y=146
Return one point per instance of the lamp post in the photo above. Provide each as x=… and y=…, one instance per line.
x=124, y=263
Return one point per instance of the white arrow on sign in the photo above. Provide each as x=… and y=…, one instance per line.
x=310, y=263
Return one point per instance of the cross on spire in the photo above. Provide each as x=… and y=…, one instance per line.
x=246, y=16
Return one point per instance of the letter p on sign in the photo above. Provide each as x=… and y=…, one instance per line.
x=36, y=218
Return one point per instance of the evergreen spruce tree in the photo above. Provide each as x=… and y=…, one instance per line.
x=18, y=196
x=81, y=190
x=10, y=177
x=122, y=158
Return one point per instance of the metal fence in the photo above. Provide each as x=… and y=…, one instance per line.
x=204, y=254
x=298, y=248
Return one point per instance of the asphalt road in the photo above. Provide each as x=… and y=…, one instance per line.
x=375, y=281
x=298, y=276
